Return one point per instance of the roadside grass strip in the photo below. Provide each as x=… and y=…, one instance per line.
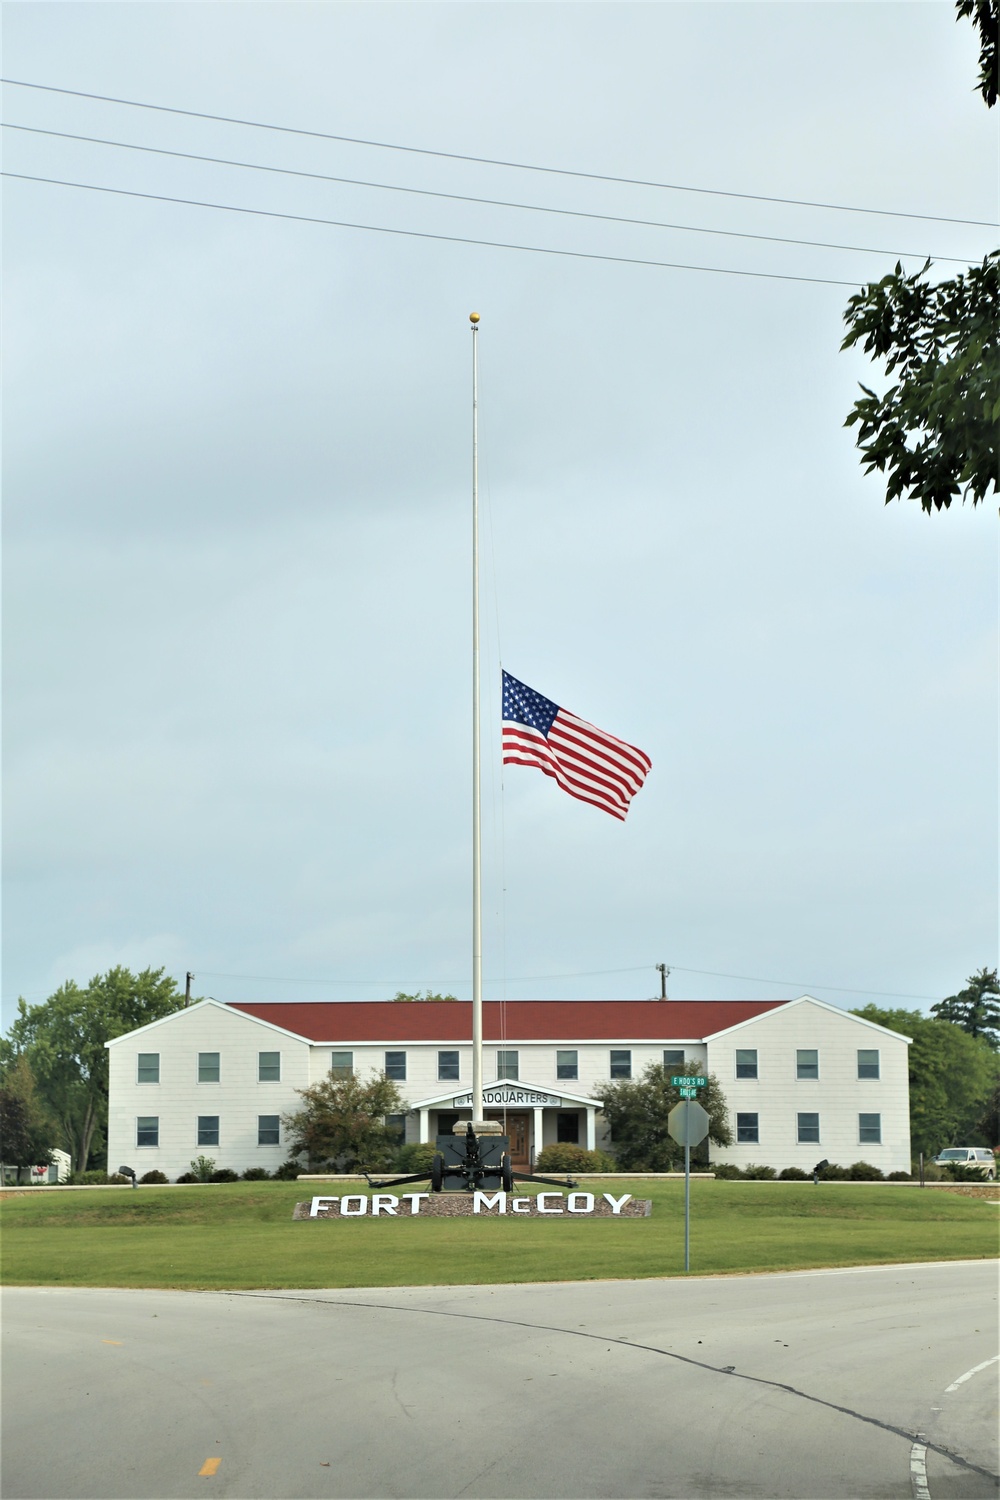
x=242, y=1236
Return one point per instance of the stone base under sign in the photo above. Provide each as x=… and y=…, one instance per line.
x=457, y=1205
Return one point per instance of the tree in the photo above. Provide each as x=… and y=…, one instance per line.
x=402, y=998
x=64, y=1039
x=985, y=18
x=343, y=1122
x=26, y=1134
x=952, y=1076
x=935, y=432
x=976, y=1008
x=636, y=1111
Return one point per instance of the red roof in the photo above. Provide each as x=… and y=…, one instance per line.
x=361, y=1021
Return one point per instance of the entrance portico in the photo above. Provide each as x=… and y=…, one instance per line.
x=526, y=1109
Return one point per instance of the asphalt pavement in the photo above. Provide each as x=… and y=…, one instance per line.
x=876, y=1382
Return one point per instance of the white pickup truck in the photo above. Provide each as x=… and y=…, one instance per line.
x=969, y=1156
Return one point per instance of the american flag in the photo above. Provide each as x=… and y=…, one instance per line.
x=585, y=761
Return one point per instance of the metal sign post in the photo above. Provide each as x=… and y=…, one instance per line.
x=688, y=1124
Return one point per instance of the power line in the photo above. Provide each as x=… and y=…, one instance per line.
x=451, y=239
x=538, y=208
x=488, y=161
x=585, y=974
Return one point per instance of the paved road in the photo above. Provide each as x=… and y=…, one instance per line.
x=818, y=1384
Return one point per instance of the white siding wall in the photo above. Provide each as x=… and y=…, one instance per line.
x=178, y=1099
x=838, y=1096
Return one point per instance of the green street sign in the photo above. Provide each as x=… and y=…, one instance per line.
x=685, y=1081
x=688, y=1093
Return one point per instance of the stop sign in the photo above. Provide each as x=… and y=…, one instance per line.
x=688, y=1123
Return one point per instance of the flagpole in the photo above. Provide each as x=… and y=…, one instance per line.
x=477, y=895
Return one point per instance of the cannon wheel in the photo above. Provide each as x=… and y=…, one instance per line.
x=437, y=1174
x=507, y=1174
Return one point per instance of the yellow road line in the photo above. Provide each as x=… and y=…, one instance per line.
x=119, y=1342
x=210, y=1465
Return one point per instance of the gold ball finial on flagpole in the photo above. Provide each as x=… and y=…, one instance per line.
x=473, y=318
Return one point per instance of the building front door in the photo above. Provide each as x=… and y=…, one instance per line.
x=518, y=1129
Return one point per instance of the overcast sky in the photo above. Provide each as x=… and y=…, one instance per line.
x=237, y=483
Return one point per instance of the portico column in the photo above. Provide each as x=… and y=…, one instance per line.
x=591, y=1128
x=425, y=1126
x=539, y=1140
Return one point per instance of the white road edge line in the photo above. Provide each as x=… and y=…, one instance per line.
x=969, y=1374
x=918, y=1472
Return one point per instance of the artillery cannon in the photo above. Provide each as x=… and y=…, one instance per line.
x=469, y=1163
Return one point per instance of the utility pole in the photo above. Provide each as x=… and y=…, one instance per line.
x=187, y=987
x=664, y=971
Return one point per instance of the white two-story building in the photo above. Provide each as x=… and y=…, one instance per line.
x=803, y=1079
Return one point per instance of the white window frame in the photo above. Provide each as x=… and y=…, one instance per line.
x=870, y=1140
x=503, y=1067
x=801, y=1077
x=262, y=1065
x=448, y=1076
x=746, y=1077
x=750, y=1114
x=619, y=1052
x=342, y=1070
x=146, y=1082
x=218, y=1130
x=218, y=1057
x=147, y=1145
x=568, y=1052
x=268, y=1145
x=870, y=1052
x=395, y=1052
x=808, y=1114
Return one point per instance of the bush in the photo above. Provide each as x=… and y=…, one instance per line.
x=256, y=1174
x=89, y=1179
x=118, y=1178
x=753, y=1173
x=834, y=1172
x=726, y=1171
x=960, y=1172
x=564, y=1157
x=188, y=1177
x=225, y=1174
x=202, y=1167
x=863, y=1171
x=154, y=1176
x=899, y=1177
x=288, y=1171
x=414, y=1158
x=793, y=1174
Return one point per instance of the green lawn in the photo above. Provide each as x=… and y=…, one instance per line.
x=242, y=1235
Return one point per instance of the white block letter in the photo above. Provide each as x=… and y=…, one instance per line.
x=516, y=1205
x=383, y=1203
x=483, y=1201
x=415, y=1200
x=617, y=1204
x=317, y=1204
x=574, y=1200
x=353, y=1213
x=540, y=1200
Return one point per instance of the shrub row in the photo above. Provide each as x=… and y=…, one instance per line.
x=860, y=1171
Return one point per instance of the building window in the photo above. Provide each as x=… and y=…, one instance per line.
x=807, y=1063
x=147, y=1130
x=507, y=1065
x=621, y=1062
x=568, y=1130
x=746, y=1062
x=208, y=1067
x=447, y=1124
x=397, y=1124
x=208, y=1130
x=448, y=1069
x=568, y=1065
x=748, y=1130
x=342, y=1064
x=673, y=1057
x=868, y=1062
x=148, y=1070
x=267, y=1130
x=808, y=1130
x=268, y=1067
x=870, y=1130
x=395, y=1066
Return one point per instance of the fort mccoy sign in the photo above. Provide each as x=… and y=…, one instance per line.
x=491, y=1205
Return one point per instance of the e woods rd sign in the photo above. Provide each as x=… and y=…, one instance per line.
x=453, y=1205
